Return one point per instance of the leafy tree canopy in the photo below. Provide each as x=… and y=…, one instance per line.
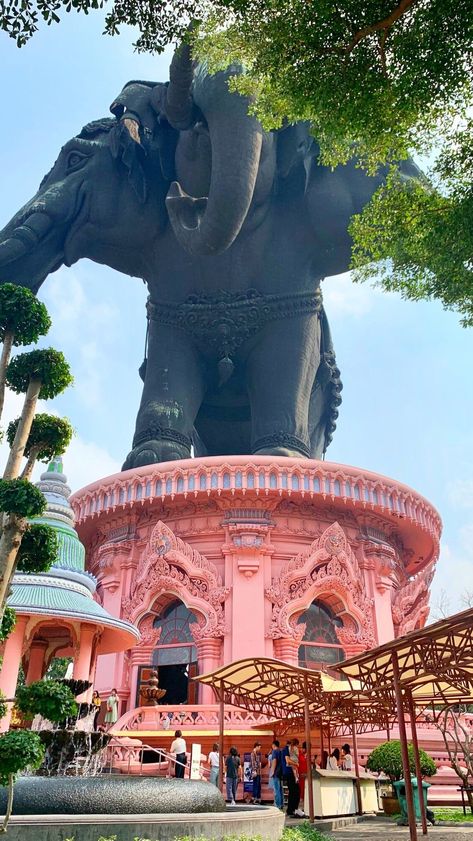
x=50, y=436
x=379, y=79
x=7, y=624
x=22, y=314
x=19, y=749
x=48, y=365
x=20, y=497
x=48, y=698
x=387, y=758
x=38, y=549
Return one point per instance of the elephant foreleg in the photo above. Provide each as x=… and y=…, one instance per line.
x=281, y=373
x=172, y=395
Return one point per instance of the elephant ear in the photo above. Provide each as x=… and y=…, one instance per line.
x=296, y=150
x=126, y=145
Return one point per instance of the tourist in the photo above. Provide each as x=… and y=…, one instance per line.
x=255, y=764
x=275, y=774
x=179, y=749
x=315, y=764
x=324, y=764
x=214, y=762
x=233, y=774
x=96, y=704
x=302, y=770
x=111, y=714
x=347, y=762
x=333, y=760
x=291, y=759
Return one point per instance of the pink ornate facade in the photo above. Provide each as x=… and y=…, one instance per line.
x=248, y=545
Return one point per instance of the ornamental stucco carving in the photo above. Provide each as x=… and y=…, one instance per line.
x=411, y=603
x=328, y=565
x=171, y=565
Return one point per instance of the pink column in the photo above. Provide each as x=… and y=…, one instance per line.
x=11, y=666
x=209, y=657
x=36, y=662
x=82, y=663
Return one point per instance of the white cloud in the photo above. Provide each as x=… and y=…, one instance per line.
x=84, y=461
x=454, y=575
x=460, y=493
x=342, y=297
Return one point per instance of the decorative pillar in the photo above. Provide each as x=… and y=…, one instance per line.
x=247, y=545
x=209, y=657
x=37, y=660
x=12, y=653
x=287, y=649
x=83, y=661
x=380, y=561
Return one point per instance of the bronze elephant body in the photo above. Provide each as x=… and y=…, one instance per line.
x=239, y=357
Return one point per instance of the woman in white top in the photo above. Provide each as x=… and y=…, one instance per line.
x=347, y=762
x=178, y=748
x=332, y=761
x=214, y=762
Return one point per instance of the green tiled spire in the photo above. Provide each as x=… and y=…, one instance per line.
x=59, y=515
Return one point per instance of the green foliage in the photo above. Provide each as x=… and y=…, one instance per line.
x=57, y=668
x=3, y=705
x=303, y=832
x=38, y=549
x=20, y=497
x=7, y=624
x=19, y=750
x=49, y=366
x=387, y=758
x=452, y=815
x=48, y=698
x=22, y=314
x=48, y=432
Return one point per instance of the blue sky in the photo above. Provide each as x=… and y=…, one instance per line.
x=406, y=367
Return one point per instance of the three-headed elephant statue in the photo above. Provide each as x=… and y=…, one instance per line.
x=232, y=228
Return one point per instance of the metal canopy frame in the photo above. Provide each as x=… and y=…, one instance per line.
x=406, y=675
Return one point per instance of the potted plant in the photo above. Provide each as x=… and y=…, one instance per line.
x=387, y=759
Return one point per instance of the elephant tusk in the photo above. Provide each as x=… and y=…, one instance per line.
x=24, y=238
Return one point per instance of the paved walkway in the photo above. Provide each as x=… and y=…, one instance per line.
x=381, y=831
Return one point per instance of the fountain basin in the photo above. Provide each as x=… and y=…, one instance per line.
x=119, y=795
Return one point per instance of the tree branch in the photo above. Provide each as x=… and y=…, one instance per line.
x=384, y=24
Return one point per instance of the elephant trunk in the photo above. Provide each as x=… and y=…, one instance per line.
x=209, y=227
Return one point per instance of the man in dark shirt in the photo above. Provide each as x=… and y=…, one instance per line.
x=275, y=773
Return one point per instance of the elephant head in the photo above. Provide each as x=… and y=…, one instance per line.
x=105, y=190
x=202, y=225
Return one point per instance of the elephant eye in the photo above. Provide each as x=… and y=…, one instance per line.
x=75, y=159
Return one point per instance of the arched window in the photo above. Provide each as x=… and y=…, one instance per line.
x=320, y=646
x=176, y=644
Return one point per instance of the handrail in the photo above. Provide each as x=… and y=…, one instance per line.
x=169, y=757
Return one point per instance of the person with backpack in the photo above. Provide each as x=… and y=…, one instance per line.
x=275, y=774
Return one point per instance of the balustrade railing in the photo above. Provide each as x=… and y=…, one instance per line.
x=167, y=717
x=260, y=476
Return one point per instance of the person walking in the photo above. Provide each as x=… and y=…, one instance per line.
x=233, y=774
x=302, y=774
x=214, y=762
x=111, y=714
x=255, y=761
x=179, y=749
x=96, y=704
x=275, y=774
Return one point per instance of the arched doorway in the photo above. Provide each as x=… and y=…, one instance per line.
x=320, y=647
x=175, y=657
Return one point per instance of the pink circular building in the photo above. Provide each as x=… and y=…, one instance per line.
x=219, y=559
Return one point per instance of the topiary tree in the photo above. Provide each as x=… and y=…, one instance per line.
x=19, y=750
x=387, y=758
x=50, y=698
x=39, y=374
x=23, y=319
x=49, y=437
x=19, y=499
x=38, y=549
